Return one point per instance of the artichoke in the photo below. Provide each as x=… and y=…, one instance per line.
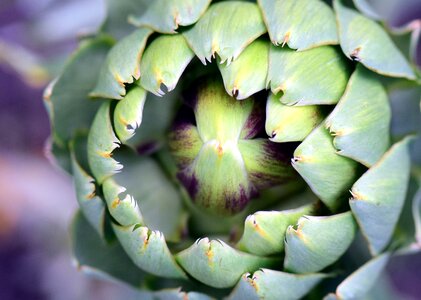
x=238, y=149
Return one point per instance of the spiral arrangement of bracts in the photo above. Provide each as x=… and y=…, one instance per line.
x=309, y=57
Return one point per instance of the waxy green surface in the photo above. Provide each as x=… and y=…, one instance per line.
x=264, y=231
x=148, y=250
x=247, y=74
x=329, y=175
x=363, y=40
x=260, y=285
x=217, y=264
x=163, y=63
x=315, y=76
x=300, y=24
x=317, y=242
x=128, y=113
x=166, y=16
x=122, y=65
x=378, y=196
x=102, y=141
x=286, y=123
x=217, y=31
x=360, y=122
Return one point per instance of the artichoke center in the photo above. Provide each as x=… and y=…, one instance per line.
x=222, y=162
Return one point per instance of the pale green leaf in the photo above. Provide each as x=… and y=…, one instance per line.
x=217, y=264
x=217, y=31
x=270, y=284
x=247, y=74
x=317, y=242
x=148, y=250
x=264, y=231
x=166, y=16
x=122, y=65
x=290, y=123
x=128, y=113
x=301, y=24
x=316, y=76
x=366, y=41
x=328, y=174
x=101, y=144
x=123, y=208
x=360, y=122
x=163, y=63
x=379, y=194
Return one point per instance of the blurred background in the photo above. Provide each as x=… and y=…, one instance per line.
x=37, y=200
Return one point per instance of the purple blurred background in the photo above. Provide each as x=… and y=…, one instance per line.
x=35, y=258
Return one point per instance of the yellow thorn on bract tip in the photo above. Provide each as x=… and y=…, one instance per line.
x=299, y=233
x=115, y=203
x=105, y=154
x=90, y=196
x=219, y=149
x=300, y=159
x=123, y=121
x=215, y=48
x=259, y=229
x=355, y=54
x=119, y=80
x=282, y=87
x=286, y=38
x=356, y=195
x=209, y=254
x=176, y=19
x=253, y=283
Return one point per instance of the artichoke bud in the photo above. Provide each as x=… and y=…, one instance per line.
x=222, y=163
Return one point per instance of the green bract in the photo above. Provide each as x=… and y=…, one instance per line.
x=240, y=149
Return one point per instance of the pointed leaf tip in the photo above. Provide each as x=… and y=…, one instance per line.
x=148, y=250
x=122, y=65
x=217, y=31
x=301, y=24
x=361, y=120
x=163, y=63
x=247, y=74
x=165, y=16
x=128, y=113
x=318, y=242
x=378, y=196
x=364, y=40
x=101, y=144
x=315, y=76
x=328, y=174
x=217, y=264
